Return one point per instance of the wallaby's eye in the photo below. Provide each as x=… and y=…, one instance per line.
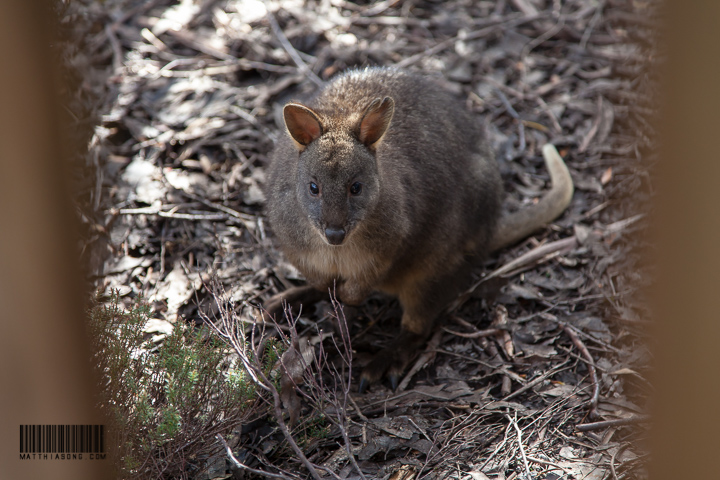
x=314, y=189
x=356, y=188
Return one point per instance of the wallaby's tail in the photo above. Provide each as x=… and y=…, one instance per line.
x=516, y=226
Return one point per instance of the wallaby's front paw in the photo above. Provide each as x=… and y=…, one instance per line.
x=391, y=361
x=274, y=305
x=352, y=293
x=294, y=297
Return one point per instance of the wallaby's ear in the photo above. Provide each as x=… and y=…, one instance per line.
x=302, y=124
x=376, y=121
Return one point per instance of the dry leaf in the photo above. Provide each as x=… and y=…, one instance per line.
x=606, y=176
x=406, y=472
x=293, y=364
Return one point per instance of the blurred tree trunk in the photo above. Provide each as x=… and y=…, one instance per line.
x=46, y=375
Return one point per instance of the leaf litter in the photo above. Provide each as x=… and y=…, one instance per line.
x=180, y=103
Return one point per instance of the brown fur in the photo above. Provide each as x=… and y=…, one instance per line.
x=429, y=199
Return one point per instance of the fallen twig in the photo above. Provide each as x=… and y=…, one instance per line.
x=222, y=208
x=489, y=332
x=538, y=255
x=242, y=466
x=513, y=113
x=475, y=333
x=180, y=216
x=586, y=427
x=566, y=470
x=500, y=321
x=424, y=358
x=520, y=445
x=612, y=460
x=116, y=49
x=534, y=382
x=623, y=224
x=466, y=36
x=292, y=52
x=591, y=368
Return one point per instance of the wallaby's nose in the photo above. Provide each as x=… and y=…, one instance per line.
x=335, y=236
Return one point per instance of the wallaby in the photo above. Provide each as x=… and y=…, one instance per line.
x=385, y=182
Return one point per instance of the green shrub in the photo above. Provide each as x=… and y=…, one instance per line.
x=167, y=401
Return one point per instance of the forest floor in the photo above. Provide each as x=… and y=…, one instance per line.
x=182, y=102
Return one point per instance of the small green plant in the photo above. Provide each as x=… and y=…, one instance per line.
x=167, y=401
x=317, y=428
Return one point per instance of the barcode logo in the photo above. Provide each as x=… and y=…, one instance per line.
x=62, y=439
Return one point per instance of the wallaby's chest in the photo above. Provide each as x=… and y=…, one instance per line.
x=345, y=262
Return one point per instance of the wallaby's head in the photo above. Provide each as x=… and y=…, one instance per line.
x=337, y=174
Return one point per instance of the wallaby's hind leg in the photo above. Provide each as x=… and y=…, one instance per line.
x=422, y=303
x=295, y=298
